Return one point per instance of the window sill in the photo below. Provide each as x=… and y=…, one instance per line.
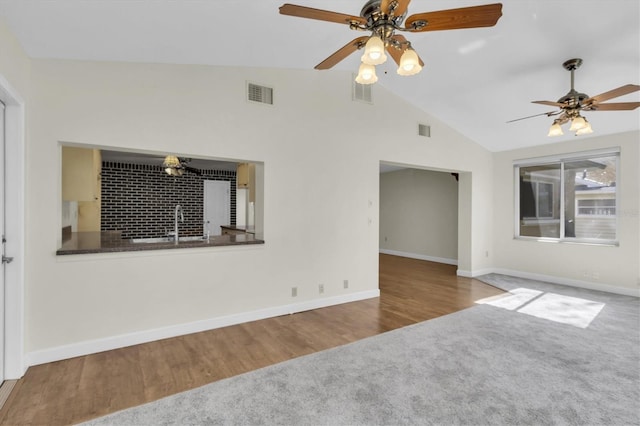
x=586, y=242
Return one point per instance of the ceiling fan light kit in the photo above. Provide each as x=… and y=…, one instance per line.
x=172, y=165
x=374, y=52
x=409, y=62
x=573, y=102
x=366, y=74
x=383, y=18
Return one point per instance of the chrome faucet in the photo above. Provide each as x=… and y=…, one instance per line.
x=175, y=221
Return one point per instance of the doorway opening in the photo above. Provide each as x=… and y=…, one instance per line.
x=419, y=213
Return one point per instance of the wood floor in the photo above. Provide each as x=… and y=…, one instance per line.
x=79, y=389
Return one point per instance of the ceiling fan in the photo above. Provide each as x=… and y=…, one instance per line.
x=383, y=18
x=175, y=166
x=573, y=102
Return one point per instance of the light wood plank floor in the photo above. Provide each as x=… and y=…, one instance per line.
x=82, y=388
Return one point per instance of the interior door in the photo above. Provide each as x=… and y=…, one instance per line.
x=2, y=225
x=217, y=205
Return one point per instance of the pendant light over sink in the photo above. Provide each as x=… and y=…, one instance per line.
x=172, y=165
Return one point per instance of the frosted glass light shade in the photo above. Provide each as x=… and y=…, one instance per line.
x=578, y=123
x=171, y=161
x=409, y=63
x=555, y=130
x=374, y=52
x=172, y=165
x=366, y=74
x=585, y=130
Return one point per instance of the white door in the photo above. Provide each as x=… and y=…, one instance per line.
x=3, y=241
x=217, y=205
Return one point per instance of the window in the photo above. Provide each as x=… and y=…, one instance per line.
x=570, y=198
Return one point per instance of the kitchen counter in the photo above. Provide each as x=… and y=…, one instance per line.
x=105, y=242
x=233, y=229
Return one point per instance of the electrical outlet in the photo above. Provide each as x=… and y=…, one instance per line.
x=321, y=288
x=345, y=283
x=294, y=291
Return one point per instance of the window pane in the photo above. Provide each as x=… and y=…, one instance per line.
x=590, y=198
x=540, y=201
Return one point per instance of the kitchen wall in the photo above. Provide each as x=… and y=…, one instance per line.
x=419, y=215
x=614, y=267
x=139, y=199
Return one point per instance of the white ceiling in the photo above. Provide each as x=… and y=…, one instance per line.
x=474, y=79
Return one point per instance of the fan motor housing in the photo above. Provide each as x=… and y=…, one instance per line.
x=573, y=98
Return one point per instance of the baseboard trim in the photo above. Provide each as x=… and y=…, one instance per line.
x=420, y=256
x=563, y=281
x=475, y=273
x=130, y=339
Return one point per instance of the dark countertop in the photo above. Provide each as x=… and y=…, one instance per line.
x=248, y=229
x=104, y=242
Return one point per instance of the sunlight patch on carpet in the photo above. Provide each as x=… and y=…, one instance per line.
x=567, y=310
x=512, y=300
x=550, y=306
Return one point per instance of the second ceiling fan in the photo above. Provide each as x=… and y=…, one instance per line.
x=383, y=18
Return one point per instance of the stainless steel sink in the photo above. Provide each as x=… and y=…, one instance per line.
x=166, y=239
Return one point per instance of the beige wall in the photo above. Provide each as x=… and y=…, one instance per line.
x=419, y=214
x=321, y=154
x=14, y=63
x=601, y=265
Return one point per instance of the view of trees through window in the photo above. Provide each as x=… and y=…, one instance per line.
x=569, y=199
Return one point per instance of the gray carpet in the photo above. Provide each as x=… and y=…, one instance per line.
x=482, y=366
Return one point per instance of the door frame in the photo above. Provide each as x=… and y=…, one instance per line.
x=14, y=359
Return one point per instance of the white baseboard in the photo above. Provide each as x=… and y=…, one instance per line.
x=475, y=273
x=561, y=280
x=420, y=256
x=130, y=339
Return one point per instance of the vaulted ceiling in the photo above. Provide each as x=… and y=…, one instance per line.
x=475, y=80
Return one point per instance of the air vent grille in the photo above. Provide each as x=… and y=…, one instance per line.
x=361, y=92
x=424, y=130
x=257, y=93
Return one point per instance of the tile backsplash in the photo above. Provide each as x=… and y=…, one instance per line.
x=139, y=200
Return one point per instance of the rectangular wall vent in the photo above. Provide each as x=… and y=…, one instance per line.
x=361, y=92
x=257, y=93
x=424, y=130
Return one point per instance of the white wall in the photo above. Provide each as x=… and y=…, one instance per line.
x=419, y=214
x=321, y=154
x=577, y=264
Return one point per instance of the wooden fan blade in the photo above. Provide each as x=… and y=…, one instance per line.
x=342, y=53
x=548, y=114
x=622, y=90
x=550, y=103
x=453, y=19
x=321, y=15
x=618, y=106
x=399, y=9
x=384, y=6
x=396, y=54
